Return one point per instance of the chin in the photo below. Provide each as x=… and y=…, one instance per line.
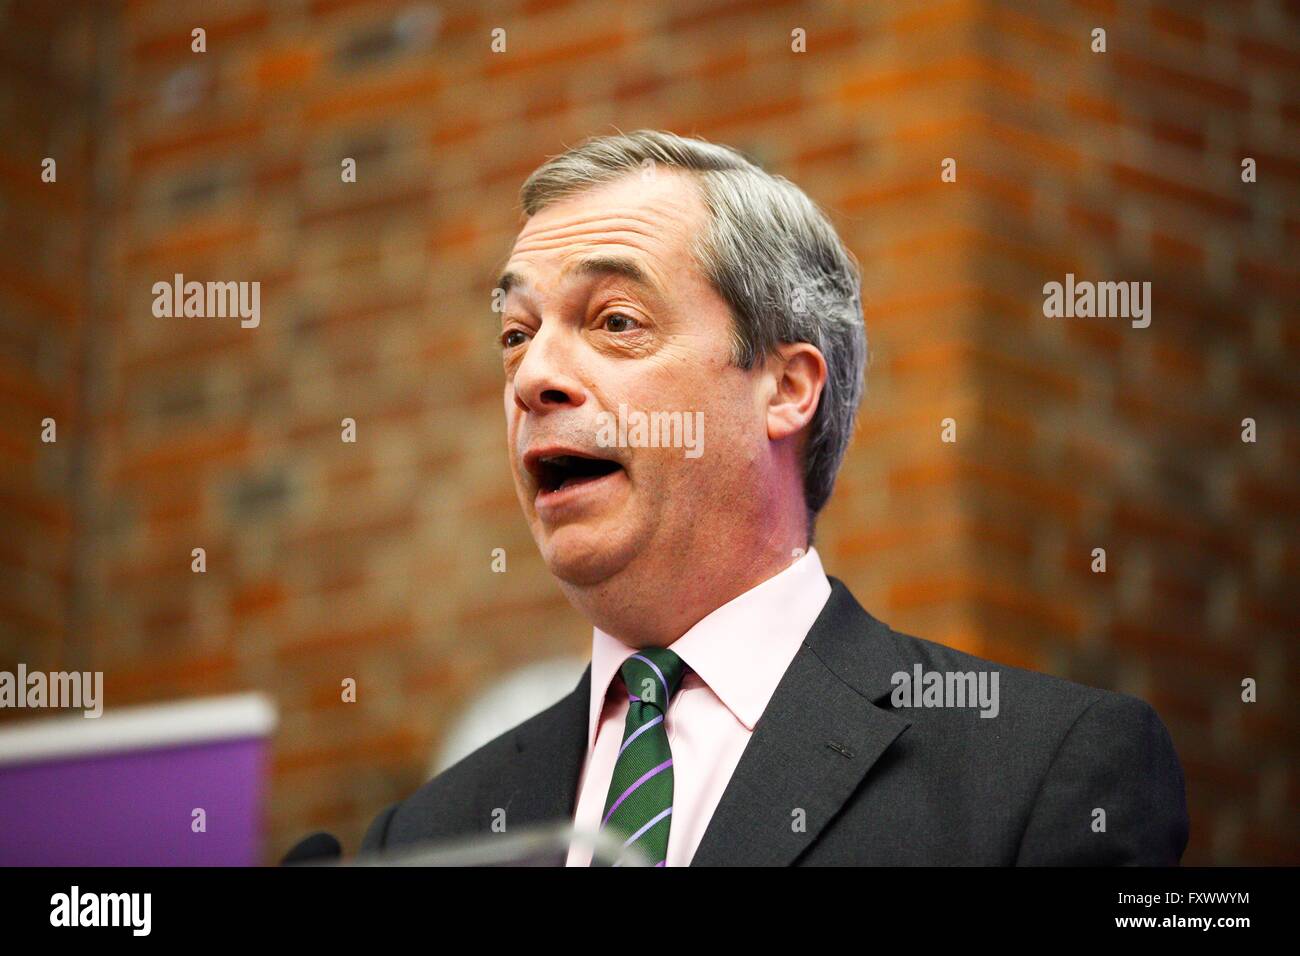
x=583, y=556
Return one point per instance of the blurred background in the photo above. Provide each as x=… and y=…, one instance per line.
x=373, y=560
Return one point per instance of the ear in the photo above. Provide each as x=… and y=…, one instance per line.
x=798, y=373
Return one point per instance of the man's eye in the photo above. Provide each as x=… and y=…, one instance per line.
x=512, y=337
x=618, y=322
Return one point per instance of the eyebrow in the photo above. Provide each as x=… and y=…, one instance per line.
x=594, y=266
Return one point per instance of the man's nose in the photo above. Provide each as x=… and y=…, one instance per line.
x=545, y=379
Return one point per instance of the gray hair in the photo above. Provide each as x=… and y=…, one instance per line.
x=769, y=252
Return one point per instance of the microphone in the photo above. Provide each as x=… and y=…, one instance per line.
x=314, y=849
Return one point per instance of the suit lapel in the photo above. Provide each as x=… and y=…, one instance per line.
x=819, y=736
x=541, y=786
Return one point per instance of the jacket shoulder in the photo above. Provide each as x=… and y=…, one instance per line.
x=1034, y=689
x=1041, y=705
x=1067, y=749
x=448, y=805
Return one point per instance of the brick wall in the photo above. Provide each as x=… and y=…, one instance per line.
x=47, y=110
x=371, y=560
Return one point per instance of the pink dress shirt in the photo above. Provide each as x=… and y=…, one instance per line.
x=736, y=655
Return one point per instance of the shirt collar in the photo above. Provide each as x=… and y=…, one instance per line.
x=741, y=650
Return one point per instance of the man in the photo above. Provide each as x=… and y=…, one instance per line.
x=741, y=707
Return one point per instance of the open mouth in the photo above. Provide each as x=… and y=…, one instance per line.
x=563, y=471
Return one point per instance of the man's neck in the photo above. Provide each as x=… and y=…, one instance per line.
x=641, y=615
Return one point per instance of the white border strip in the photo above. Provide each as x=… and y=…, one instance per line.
x=177, y=724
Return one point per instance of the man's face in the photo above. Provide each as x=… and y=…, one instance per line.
x=607, y=307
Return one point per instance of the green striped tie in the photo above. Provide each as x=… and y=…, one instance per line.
x=639, y=807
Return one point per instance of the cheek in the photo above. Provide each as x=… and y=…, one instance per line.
x=662, y=383
x=728, y=402
x=512, y=410
x=732, y=440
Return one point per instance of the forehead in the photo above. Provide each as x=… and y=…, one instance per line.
x=650, y=221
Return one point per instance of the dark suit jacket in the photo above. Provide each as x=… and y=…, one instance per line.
x=877, y=784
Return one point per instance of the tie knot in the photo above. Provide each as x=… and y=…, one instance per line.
x=652, y=676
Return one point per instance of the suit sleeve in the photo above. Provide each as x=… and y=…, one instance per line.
x=377, y=833
x=1113, y=794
